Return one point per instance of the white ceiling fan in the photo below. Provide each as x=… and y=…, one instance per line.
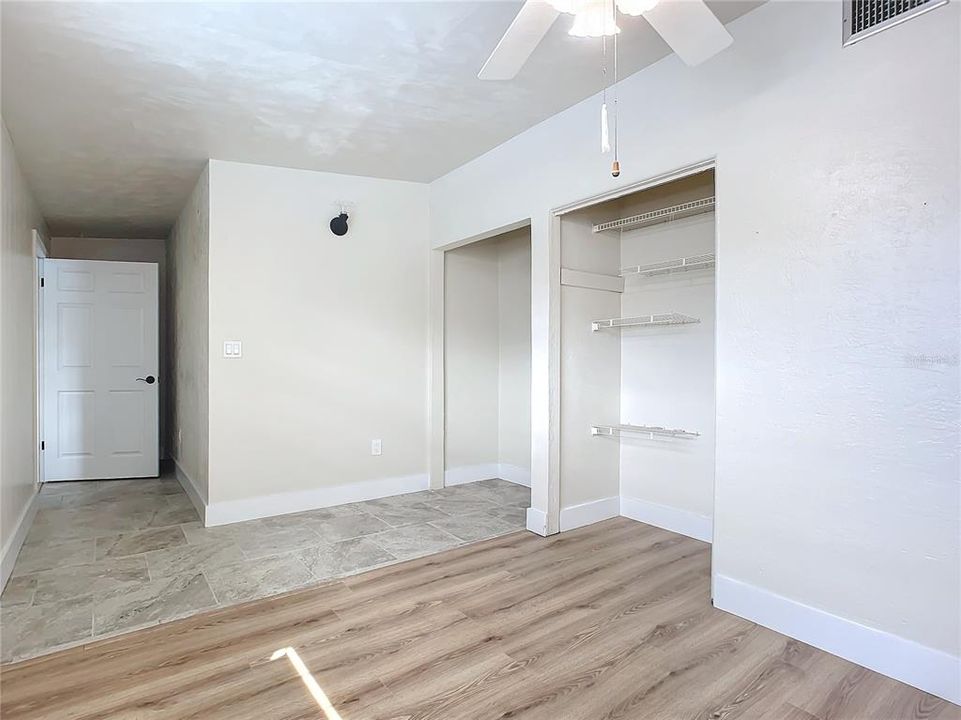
x=688, y=26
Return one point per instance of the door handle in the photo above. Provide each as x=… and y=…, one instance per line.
x=150, y=379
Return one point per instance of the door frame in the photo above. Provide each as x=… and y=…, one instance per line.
x=40, y=255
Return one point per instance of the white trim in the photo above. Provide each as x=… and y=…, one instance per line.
x=471, y=473
x=926, y=668
x=514, y=474
x=537, y=521
x=8, y=558
x=684, y=522
x=192, y=491
x=231, y=511
x=590, y=512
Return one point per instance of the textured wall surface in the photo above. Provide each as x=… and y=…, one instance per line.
x=514, y=341
x=334, y=330
x=487, y=355
x=837, y=294
x=20, y=216
x=188, y=338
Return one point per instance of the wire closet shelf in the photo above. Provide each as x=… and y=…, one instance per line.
x=674, y=212
x=668, y=267
x=652, y=431
x=672, y=318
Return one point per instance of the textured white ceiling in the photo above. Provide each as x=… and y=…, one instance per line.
x=114, y=107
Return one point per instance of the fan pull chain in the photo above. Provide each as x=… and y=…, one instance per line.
x=605, y=129
x=615, y=166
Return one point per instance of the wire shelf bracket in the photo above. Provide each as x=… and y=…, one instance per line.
x=655, y=217
x=668, y=267
x=672, y=318
x=652, y=431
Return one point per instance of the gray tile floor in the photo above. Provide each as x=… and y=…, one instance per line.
x=107, y=557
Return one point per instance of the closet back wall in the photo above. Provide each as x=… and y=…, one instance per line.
x=334, y=333
x=487, y=359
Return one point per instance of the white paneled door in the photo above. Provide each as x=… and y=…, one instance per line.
x=101, y=387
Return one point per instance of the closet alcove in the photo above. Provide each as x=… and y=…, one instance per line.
x=637, y=356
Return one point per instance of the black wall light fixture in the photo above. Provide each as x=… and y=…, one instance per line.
x=338, y=226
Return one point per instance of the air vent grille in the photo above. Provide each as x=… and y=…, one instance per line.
x=863, y=18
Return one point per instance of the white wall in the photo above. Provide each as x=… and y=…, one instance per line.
x=188, y=340
x=514, y=355
x=487, y=359
x=590, y=370
x=471, y=362
x=334, y=333
x=837, y=482
x=667, y=373
x=18, y=486
x=129, y=250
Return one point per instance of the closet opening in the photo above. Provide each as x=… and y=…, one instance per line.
x=637, y=370
x=487, y=371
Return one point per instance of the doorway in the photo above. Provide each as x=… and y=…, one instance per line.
x=487, y=360
x=100, y=359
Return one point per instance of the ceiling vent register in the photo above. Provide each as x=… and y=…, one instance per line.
x=864, y=18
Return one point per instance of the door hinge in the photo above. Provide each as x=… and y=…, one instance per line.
x=43, y=445
x=42, y=282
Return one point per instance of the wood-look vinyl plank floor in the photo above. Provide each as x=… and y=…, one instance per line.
x=609, y=621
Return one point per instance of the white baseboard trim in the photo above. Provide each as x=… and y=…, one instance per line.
x=537, y=521
x=487, y=471
x=589, y=513
x=684, y=522
x=8, y=558
x=928, y=669
x=231, y=511
x=515, y=474
x=192, y=491
x=471, y=473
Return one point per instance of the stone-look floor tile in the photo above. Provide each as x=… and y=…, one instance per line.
x=512, y=514
x=502, y=492
x=165, y=516
x=259, y=542
x=89, y=521
x=191, y=558
x=327, y=513
x=344, y=558
x=71, y=487
x=49, y=501
x=95, y=578
x=35, y=557
x=156, y=601
x=19, y=591
x=478, y=526
x=142, y=541
x=413, y=541
x=407, y=515
x=26, y=631
x=251, y=579
x=460, y=504
x=351, y=526
x=179, y=502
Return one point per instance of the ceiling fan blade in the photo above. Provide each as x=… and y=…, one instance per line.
x=531, y=24
x=690, y=28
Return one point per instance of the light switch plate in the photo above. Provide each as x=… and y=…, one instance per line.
x=233, y=349
x=376, y=447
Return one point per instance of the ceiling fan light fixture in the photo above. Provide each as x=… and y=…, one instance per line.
x=635, y=7
x=566, y=6
x=594, y=19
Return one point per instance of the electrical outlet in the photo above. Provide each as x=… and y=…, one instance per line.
x=376, y=447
